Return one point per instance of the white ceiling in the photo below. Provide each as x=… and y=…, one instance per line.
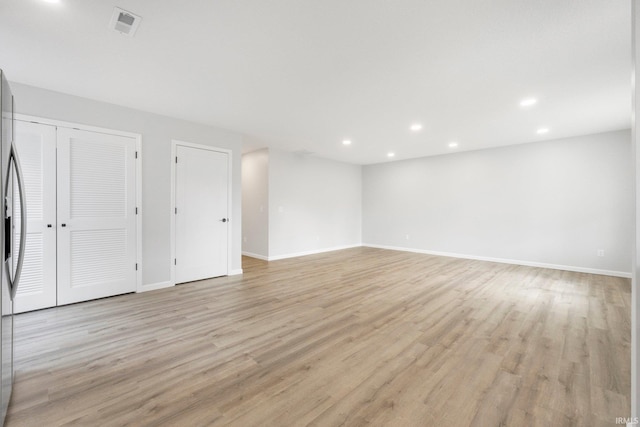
x=304, y=75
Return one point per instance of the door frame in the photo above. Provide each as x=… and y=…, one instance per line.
x=138, y=173
x=174, y=148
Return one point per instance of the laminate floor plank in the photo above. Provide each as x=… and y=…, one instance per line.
x=349, y=338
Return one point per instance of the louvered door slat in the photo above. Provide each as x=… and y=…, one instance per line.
x=36, y=145
x=96, y=204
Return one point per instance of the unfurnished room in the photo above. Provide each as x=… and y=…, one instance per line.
x=319, y=213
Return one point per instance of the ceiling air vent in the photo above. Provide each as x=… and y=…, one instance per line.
x=124, y=22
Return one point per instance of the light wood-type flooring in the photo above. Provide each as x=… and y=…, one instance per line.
x=356, y=337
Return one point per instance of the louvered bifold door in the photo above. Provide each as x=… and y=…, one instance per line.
x=36, y=145
x=96, y=215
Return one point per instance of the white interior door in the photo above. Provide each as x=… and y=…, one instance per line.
x=36, y=146
x=202, y=214
x=96, y=215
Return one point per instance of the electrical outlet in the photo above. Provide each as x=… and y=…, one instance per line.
x=600, y=252
x=281, y=209
x=244, y=239
x=407, y=237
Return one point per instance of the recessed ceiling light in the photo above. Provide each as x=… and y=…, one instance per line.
x=416, y=127
x=346, y=142
x=528, y=102
x=390, y=154
x=542, y=131
x=453, y=144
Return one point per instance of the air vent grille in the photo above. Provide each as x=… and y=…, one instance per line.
x=124, y=22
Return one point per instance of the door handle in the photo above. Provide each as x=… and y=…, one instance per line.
x=64, y=225
x=13, y=283
x=224, y=220
x=49, y=225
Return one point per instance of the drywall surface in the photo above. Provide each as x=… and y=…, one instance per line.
x=314, y=204
x=635, y=141
x=255, y=203
x=157, y=132
x=555, y=202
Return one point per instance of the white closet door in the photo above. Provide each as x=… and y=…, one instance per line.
x=202, y=216
x=96, y=215
x=36, y=146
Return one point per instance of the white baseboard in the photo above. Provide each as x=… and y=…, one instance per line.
x=154, y=286
x=313, y=252
x=169, y=283
x=505, y=261
x=252, y=255
x=624, y=274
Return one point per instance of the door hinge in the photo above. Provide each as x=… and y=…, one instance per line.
x=136, y=211
x=176, y=211
x=176, y=159
x=175, y=261
x=136, y=154
x=136, y=266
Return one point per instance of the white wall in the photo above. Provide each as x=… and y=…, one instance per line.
x=314, y=204
x=635, y=293
x=157, y=132
x=255, y=203
x=555, y=203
